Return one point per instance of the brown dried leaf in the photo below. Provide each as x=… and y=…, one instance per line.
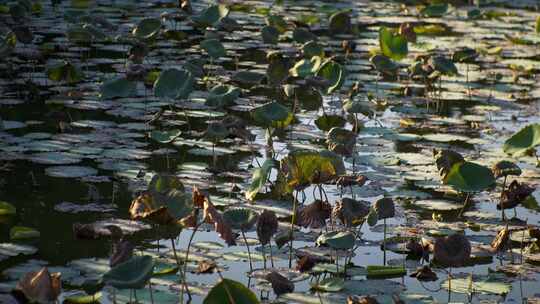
x=452, y=251
x=122, y=251
x=198, y=198
x=280, y=284
x=424, y=274
x=361, y=300
x=267, y=226
x=212, y=216
x=350, y=212
x=206, y=266
x=514, y=195
x=40, y=286
x=315, y=215
x=306, y=263
x=501, y=240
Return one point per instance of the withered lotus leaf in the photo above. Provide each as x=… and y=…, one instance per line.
x=280, y=284
x=452, y=251
x=315, y=214
x=40, y=286
x=267, y=226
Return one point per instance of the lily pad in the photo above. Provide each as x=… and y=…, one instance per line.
x=131, y=274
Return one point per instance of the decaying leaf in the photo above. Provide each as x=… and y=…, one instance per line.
x=40, y=286
x=267, y=226
x=306, y=263
x=361, y=300
x=384, y=208
x=212, y=216
x=206, y=266
x=452, y=251
x=122, y=251
x=514, y=195
x=351, y=180
x=501, y=240
x=424, y=274
x=280, y=284
x=315, y=214
x=350, y=212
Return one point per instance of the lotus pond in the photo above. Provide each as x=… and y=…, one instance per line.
x=269, y=151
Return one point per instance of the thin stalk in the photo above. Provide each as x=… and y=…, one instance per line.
x=264, y=256
x=249, y=252
x=184, y=273
x=465, y=204
x=271, y=254
x=151, y=292
x=384, y=242
x=449, y=284
x=503, y=217
x=291, y=232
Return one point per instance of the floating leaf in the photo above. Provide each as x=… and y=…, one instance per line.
x=21, y=232
x=486, y=286
x=270, y=34
x=443, y=65
x=332, y=284
x=385, y=271
x=230, y=292
x=118, y=87
x=214, y=48
x=132, y=274
x=392, y=44
x=434, y=10
x=7, y=208
x=65, y=71
x=222, y=96
x=147, y=28
x=522, y=141
x=165, y=137
x=174, y=83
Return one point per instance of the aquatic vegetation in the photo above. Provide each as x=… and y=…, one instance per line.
x=142, y=141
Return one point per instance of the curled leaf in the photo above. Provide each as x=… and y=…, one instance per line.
x=280, y=284
x=267, y=226
x=452, y=251
x=40, y=286
x=212, y=216
x=315, y=215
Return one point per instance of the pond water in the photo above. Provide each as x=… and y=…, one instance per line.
x=70, y=155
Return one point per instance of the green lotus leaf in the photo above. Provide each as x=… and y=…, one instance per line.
x=179, y=204
x=164, y=137
x=214, y=48
x=118, y=87
x=340, y=23
x=131, y=274
x=466, y=55
x=230, y=292
x=339, y=240
x=240, y=218
x=372, y=217
x=259, y=178
x=385, y=271
x=469, y=177
x=334, y=73
x=270, y=34
x=211, y=16
x=277, y=22
x=384, y=64
x=163, y=183
x=272, y=114
x=147, y=28
x=174, y=83
x=443, y=65
x=537, y=25
x=341, y=141
x=310, y=99
x=247, y=78
x=357, y=107
x=434, y=10
x=303, y=35
x=65, y=71
x=79, y=34
x=175, y=35
x=216, y=131
x=7, y=208
x=392, y=44
x=523, y=141
x=332, y=284
x=83, y=298
x=306, y=67
x=278, y=70
x=21, y=232
x=327, y=122
x=471, y=285
x=311, y=49
x=222, y=96
x=302, y=168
